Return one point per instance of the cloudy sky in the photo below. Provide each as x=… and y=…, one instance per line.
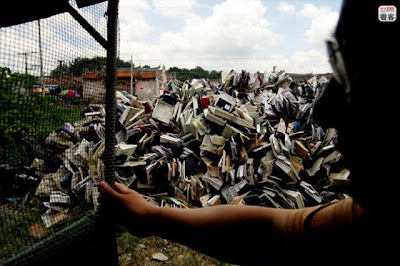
x=252, y=35
x=228, y=34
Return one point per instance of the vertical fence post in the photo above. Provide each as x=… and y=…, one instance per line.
x=110, y=82
x=109, y=233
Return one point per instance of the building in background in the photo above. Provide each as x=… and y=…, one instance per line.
x=147, y=83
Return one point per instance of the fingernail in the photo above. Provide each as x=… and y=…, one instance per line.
x=103, y=185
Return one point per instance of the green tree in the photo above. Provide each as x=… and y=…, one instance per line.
x=215, y=74
x=77, y=66
x=123, y=64
x=9, y=79
x=197, y=72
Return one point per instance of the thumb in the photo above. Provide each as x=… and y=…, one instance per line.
x=121, y=188
x=105, y=188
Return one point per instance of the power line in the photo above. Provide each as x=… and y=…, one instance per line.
x=25, y=54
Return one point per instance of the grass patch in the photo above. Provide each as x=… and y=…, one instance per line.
x=21, y=225
x=133, y=250
x=15, y=230
x=27, y=119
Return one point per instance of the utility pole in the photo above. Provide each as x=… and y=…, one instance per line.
x=61, y=72
x=25, y=54
x=131, y=85
x=41, y=58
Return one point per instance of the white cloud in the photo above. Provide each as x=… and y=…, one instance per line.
x=235, y=33
x=312, y=61
x=173, y=8
x=133, y=23
x=315, y=60
x=286, y=8
x=323, y=22
x=235, y=26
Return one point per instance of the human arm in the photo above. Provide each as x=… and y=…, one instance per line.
x=237, y=234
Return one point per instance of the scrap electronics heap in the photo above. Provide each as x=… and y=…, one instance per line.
x=246, y=140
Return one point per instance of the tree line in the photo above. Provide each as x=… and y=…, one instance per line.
x=77, y=67
x=183, y=74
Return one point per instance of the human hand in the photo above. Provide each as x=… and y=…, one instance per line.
x=130, y=208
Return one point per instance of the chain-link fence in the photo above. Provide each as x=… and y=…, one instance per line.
x=52, y=123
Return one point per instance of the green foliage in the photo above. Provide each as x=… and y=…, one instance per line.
x=27, y=120
x=9, y=79
x=183, y=74
x=96, y=64
x=15, y=230
x=77, y=66
x=123, y=64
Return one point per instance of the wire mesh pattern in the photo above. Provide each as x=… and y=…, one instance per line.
x=52, y=119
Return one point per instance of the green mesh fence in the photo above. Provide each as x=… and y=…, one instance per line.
x=53, y=75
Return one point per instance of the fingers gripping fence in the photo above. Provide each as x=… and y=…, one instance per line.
x=57, y=131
